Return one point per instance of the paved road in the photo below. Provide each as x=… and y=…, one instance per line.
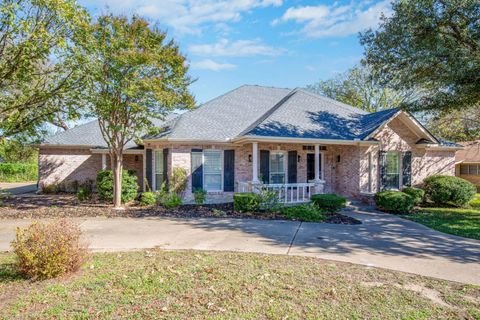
x=381, y=241
x=19, y=187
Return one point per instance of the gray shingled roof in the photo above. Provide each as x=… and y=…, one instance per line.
x=89, y=135
x=307, y=115
x=254, y=111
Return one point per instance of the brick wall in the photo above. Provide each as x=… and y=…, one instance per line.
x=67, y=166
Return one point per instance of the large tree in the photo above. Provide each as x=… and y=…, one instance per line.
x=432, y=44
x=358, y=88
x=38, y=75
x=134, y=74
x=461, y=125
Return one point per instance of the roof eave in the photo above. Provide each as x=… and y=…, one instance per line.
x=251, y=138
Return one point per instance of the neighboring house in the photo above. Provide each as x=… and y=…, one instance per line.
x=292, y=141
x=468, y=162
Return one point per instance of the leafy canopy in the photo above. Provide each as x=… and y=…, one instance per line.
x=38, y=74
x=431, y=44
x=133, y=74
x=358, y=88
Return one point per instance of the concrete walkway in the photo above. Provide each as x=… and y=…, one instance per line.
x=382, y=241
x=19, y=187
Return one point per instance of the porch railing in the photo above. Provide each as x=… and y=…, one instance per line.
x=287, y=193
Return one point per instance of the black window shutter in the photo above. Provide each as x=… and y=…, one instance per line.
x=265, y=165
x=197, y=169
x=148, y=168
x=292, y=166
x=382, y=162
x=407, y=168
x=229, y=170
x=165, y=166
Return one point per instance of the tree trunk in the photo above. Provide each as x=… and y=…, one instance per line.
x=117, y=180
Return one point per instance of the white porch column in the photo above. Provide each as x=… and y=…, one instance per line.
x=104, y=161
x=319, y=184
x=317, y=163
x=255, y=162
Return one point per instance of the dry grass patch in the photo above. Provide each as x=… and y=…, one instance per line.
x=192, y=284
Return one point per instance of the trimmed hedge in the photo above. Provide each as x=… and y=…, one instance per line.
x=246, y=202
x=330, y=202
x=18, y=172
x=105, y=185
x=449, y=190
x=304, y=212
x=394, y=201
x=148, y=199
x=417, y=194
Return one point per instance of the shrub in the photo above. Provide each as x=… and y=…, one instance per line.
x=475, y=203
x=148, y=199
x=105, y=185
x=330, y=202
x=47, y=250
x=199, y=195
x=84, y=193
x=18, y=172
x=269, y=200
x=394, y=201
x=178, y=183
x=449, y=190
x=246, y=202
x=416, y=193
x=305, y=212
x=171, y=200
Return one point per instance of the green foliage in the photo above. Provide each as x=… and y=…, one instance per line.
x=171, y=200
x=39, y=75
x=329, y=202
x=246, y=202
x=394, y=201
x=269, y=200
x=461, y=125
x=200, y=195
x=449, y=190
x=305, y=212
x=358, y=88
x=14, y=151
x=148, y=199
x=105, y=185
x=417, y=194
x=84, y=193
x=18, y=172
x=178, y=181
x=432, y=45
x=475, y=203
x=46, y=251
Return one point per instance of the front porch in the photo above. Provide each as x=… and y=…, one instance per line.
x=282, y=170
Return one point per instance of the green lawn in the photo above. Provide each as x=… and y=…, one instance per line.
x=219, y=285
x=460, y=222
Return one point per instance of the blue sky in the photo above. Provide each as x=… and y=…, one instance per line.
x=266, y=42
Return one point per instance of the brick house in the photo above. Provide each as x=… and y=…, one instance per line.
x=291, y=141
x=468, y=162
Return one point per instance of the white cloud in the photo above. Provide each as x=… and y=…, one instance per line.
x=323, y=21
x=239, y=48
x=208, y=64
x=188, y=16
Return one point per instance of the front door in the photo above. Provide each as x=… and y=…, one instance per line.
x=310, y=166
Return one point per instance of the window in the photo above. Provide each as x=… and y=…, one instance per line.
x=392, y=170
x=212, y=170
x=277, y=167
x=470, y=169
x=159, y=165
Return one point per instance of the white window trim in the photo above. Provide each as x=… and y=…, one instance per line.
x=285, y=165
x=222, y=170
x=154, y=168
x=400, y=168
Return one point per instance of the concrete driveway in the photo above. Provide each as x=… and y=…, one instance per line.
x=19, y=187
x=382, y=241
